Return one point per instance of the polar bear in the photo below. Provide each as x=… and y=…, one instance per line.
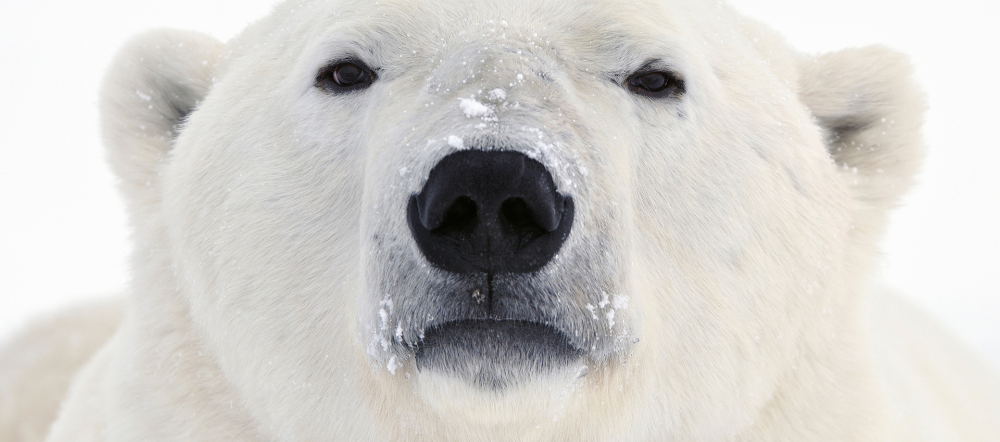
x=503, y=220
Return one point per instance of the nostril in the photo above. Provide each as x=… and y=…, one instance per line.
x=517, y=213
x=518, y=220
x=460, y=217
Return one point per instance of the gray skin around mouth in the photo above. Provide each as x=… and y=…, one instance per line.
x=493, y=354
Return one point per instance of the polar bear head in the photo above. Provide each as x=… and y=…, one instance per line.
x=543, y=219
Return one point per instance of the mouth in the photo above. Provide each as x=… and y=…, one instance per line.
x=494, y=354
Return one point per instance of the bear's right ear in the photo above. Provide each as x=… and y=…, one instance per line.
x=154, y=82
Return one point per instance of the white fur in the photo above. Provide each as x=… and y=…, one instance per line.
x=722, y=244
x=36, y=367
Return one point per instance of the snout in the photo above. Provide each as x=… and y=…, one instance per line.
x=489, y=212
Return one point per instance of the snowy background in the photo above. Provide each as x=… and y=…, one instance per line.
x=62, y=227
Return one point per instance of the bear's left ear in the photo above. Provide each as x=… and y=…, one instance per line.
x=871, y=112
x=156, y=80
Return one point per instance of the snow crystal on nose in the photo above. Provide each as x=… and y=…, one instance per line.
x=473, y=108
x=497, y=94
x=456, y=142
x=393, y=365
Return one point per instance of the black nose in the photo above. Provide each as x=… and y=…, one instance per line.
x=493, y=212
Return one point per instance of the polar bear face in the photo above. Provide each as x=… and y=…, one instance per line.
x=448, y=216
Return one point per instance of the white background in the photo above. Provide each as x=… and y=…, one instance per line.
x=63, y=236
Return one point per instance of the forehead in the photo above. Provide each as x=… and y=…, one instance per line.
x=592, y=25
x=455, y=15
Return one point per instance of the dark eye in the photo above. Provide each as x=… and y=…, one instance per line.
x=655, y=84
x=345, y=77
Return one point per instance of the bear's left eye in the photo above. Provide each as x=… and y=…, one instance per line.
x=655, y=84
x=345, y=76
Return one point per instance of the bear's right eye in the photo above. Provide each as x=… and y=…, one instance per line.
x=345, y=77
